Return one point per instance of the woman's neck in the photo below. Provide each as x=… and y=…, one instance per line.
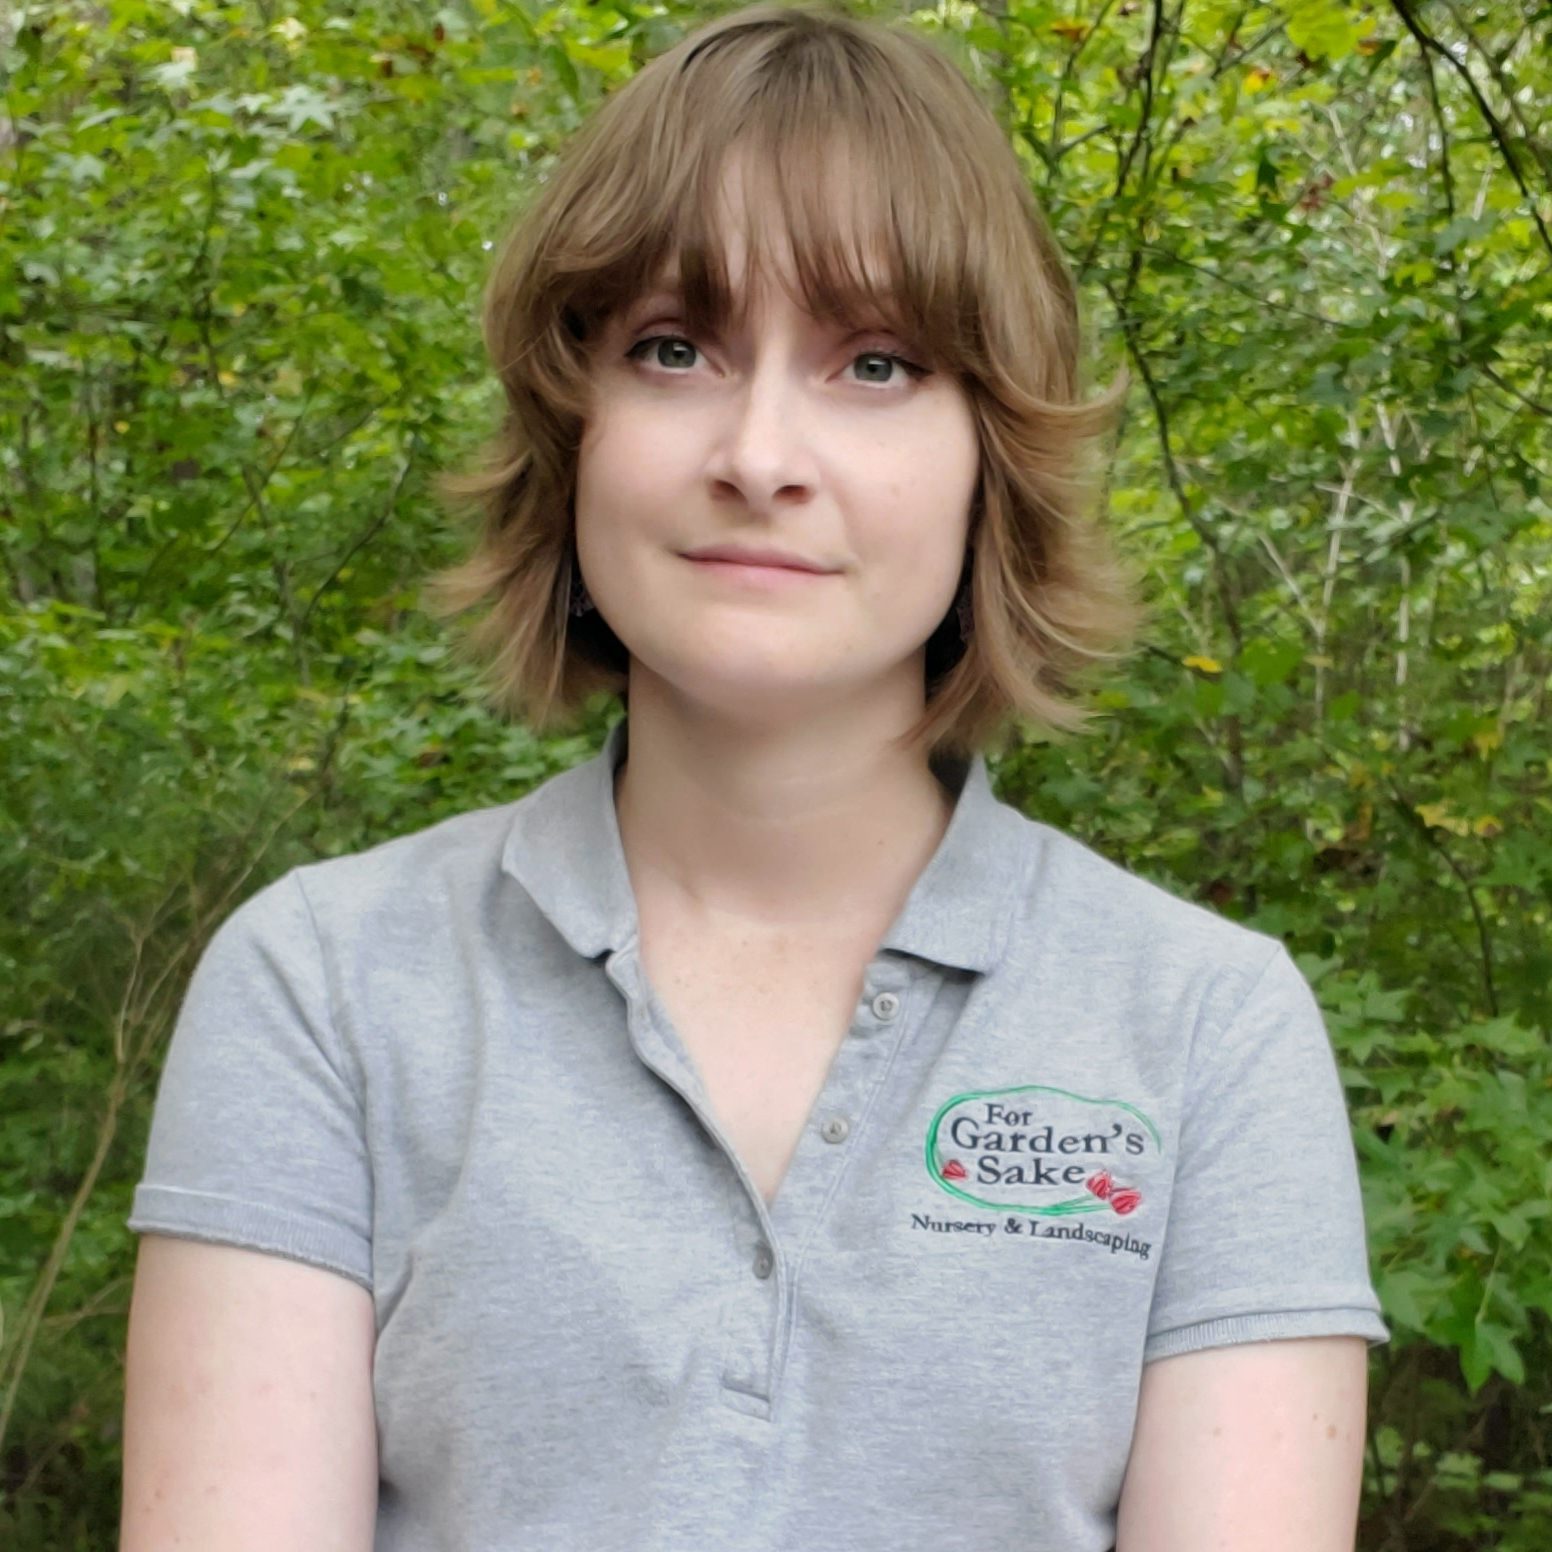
x=776, y=834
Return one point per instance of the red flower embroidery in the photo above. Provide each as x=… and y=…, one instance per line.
x=1100, y=1184
x=1125, y=1201
x=953, y=1170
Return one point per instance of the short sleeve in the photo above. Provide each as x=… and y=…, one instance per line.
x=257, y=1135
x=1265, y=1236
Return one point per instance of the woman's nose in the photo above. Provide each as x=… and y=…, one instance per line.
x=766, y=443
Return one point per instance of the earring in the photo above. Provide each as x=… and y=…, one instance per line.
x=581, y=599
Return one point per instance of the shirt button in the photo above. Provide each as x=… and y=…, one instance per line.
x=763, y=1261
x=836, y=1129
x=885, y=1006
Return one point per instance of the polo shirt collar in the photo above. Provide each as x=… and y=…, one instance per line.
x=564, y=848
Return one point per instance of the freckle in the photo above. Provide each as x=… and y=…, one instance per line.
x=1331, y=1430
x=1217, y=1431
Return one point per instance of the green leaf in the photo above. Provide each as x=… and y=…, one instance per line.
x=1270, y=662
x=1498, y=1343
x=1324, y=28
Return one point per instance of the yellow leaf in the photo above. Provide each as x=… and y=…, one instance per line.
x=1487, y=824
x=1488, y=738
x=1438, y=816
x=227, y=379
x=121, y=426
x=1208, y=665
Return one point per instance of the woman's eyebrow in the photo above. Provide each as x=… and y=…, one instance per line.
x=868, y=319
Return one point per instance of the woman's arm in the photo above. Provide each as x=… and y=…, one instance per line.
x=248, y=1417
x=1256, y=1447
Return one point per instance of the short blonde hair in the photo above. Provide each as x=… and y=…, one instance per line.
x=972, y=274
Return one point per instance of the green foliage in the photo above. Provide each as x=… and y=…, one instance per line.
x=240, y=258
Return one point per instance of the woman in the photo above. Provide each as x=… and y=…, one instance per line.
x=759, y=1135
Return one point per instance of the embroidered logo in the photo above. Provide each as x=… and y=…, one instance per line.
x=1042, y=1151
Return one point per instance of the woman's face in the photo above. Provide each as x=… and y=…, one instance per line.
x=794, y=435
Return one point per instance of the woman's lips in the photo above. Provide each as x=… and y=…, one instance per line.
x=758, y=576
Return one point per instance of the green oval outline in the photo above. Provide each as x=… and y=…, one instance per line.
x=1065, y=1209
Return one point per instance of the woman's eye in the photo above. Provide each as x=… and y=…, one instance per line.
x=909, y=367
x=639, y=349
x=643, y=347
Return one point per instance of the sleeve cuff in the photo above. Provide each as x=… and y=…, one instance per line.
x=225, y=1220
x=1268, y=1326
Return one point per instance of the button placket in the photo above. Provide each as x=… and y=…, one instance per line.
x=853, y=1074
x=750, y=1325
x=758, y=1329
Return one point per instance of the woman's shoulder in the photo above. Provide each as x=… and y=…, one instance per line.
x=1097, y=905
x=414, y=876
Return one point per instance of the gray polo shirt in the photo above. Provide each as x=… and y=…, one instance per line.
x=1076, y=1124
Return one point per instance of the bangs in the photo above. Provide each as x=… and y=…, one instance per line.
x=840, y=198
x=826, y=240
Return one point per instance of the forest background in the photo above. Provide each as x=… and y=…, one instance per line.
x=241, y=248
